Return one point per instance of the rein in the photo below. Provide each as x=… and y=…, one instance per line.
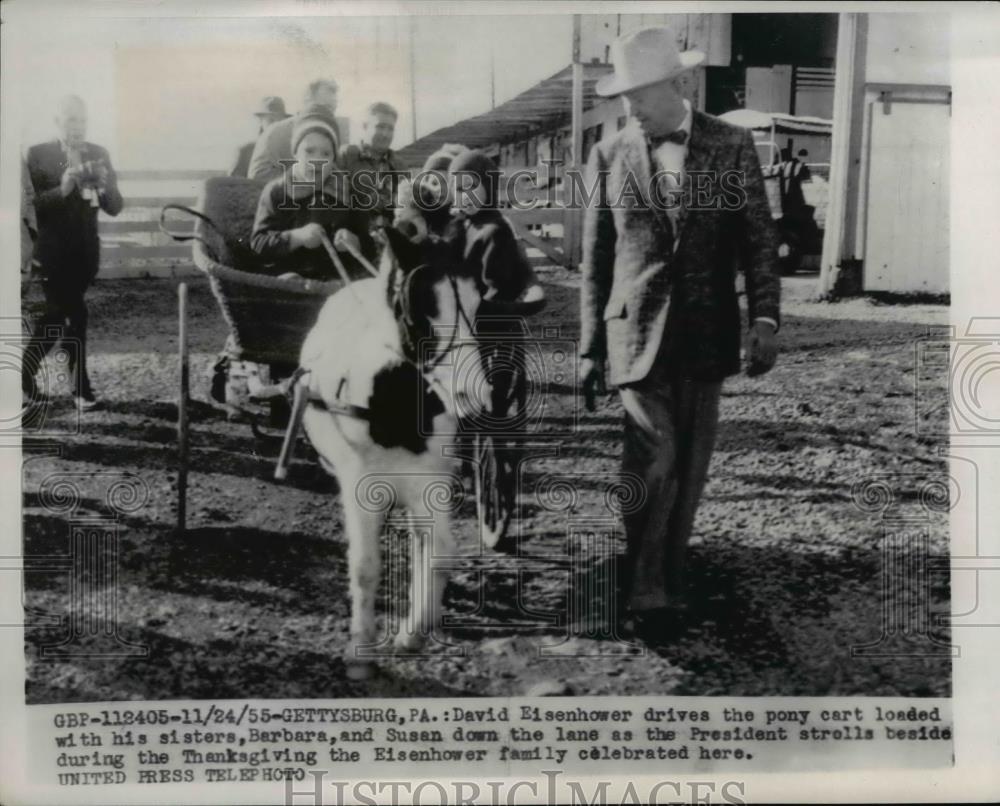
x=402, y=310
x=402, y=303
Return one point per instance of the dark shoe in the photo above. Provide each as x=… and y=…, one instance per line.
x=658, y=626
x=220, y=375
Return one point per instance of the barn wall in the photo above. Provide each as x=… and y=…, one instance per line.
x=908, y=48
x=903, y=185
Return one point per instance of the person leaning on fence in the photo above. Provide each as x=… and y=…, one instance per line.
x=71, y=180
x=297, y=211
x=791, y=173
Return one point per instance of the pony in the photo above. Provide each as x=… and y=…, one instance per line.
x=388, y=371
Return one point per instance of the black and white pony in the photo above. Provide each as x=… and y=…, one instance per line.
x=391, y=367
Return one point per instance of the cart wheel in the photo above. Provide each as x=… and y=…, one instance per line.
x=494, y=491
x=182, y=409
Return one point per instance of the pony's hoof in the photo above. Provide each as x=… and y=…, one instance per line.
x=360, y=670
x=408, y=642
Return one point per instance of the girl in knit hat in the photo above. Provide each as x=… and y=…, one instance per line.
x=490, y=251
x=432, y=191
x=307, y=202
x=487, y=242
x=423, y=205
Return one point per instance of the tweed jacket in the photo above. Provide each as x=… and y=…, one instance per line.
x=68, y=247
x=375, y=192
x=647, y=296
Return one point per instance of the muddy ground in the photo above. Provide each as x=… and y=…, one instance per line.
x=787, y=583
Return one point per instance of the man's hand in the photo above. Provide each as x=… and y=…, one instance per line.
x=70, y=179
x=308, y=236
x=762, y=350
x=346, y=241
x=103, y=174
x=592, y=381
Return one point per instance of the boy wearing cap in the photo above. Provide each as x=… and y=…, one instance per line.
x=297, y=209
x=489, y=249
x=372, y=167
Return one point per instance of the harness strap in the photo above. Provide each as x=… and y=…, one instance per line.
x=347, y=409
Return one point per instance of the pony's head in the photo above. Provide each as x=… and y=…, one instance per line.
x=435, y=304
x=409, y=217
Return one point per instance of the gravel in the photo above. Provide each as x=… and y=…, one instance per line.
x=786, y=561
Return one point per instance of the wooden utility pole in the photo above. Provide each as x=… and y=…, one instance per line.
x=493, y=76
x=842, y=211
x=413, y=76
x=573, y=217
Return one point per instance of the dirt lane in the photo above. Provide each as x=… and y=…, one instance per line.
x=252, y=602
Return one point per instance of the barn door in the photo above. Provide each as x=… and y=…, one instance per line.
x=906, y=233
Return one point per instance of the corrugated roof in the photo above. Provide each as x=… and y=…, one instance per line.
x=544, y=106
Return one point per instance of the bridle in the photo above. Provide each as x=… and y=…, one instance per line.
x=409, y=331
x=401, y=305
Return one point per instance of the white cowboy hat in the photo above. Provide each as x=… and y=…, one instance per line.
x=645, y=57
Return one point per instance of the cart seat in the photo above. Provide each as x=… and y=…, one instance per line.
x=268, y=316
x=231, y=203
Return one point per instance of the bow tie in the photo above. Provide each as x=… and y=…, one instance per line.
x=679, y=137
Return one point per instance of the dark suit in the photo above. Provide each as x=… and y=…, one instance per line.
x=659, y=303
x=67, y=252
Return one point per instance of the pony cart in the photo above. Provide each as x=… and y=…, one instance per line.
x=269, y=319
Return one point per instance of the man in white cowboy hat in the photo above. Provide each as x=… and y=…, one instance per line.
x=680, y=203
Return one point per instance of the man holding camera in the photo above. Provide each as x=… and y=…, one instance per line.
x=72, y=179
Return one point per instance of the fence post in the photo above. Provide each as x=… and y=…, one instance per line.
x=182, y=409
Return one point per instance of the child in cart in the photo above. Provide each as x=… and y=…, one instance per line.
x=298, y=209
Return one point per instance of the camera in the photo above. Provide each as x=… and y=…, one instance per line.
x=89, y=178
